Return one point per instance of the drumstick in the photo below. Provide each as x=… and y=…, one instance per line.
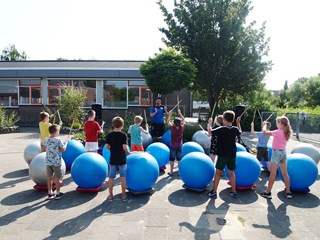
x=145, y=116
x=243, y=112
x=260, y=115
x=269, y=117
x=176, y=105
x=254, y=114
x=201, y=127
x=214, y=107
x=178, y=100
x=70, y=131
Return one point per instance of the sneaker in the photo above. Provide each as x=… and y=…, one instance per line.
x=234, y=194
x=289, y=195
x=212, y=194
x=60, y=195
x=51, y=196
x=266, y=194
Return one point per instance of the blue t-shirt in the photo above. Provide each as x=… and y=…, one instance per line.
x=262, y=140
x=135, y=133
x=158, y=118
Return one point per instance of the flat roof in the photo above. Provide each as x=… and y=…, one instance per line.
x=70, y=69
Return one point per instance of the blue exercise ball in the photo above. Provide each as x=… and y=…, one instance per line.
x=263, y=162
x=142, y=171
x=309, y=150
x=302, y=171
x=160, y=152
x=240, y=148
x=190, y=147
x=106, y=154
x=196, y=170
x=166, y=138
x=89, y=170
x=73, y=150
x=247, y=169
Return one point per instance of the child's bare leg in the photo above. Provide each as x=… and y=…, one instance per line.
x=273, y=173
x=284, y=172
x=49, y=183
x=213, y=157
x=123, y=186
x=171, y=166
x=110, y=186
x=58, y=185
x=268, y=165
x=216, y=180
x=232, y=177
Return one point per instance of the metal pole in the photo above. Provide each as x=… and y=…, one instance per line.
x=297, y=126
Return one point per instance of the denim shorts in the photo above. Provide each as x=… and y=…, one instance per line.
x=121, y=168
x=175, y=153
x=278, y=156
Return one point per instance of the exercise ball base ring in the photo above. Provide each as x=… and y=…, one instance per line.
x=97, y=189
x=148, y=191
x=44, y=187
x=195, y=189
x=244, y=188
x=301, y=190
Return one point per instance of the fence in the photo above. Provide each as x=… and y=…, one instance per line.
x=305, y=125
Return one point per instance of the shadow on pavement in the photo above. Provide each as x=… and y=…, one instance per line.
x=71, y=199
x=279, y=221
x=213, y=216
x=23, y=197
x=17, y=173
x=244, y=197
x=14, y=216
x=75, y=225
x=134, y=202
x=12, y=183
x=187, y=198
x=300, y=200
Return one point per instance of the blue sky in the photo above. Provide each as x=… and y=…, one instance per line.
x=128, y=30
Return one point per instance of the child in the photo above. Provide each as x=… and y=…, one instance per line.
x=92, y=128
x=262, y=145
x=135, y=131
x=116, y=142
x=279, y=155
x=226, y=151
x=54, y=147
x=218, y=121
x=176, y=139
x=44, y=127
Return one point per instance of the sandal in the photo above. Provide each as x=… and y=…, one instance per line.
x=109, y=199
x=170, y=173
x=124, y=199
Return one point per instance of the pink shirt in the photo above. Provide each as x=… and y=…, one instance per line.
x=279, y=140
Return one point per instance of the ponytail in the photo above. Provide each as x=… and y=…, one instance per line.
x=287, y=127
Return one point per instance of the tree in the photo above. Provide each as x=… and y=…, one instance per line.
x=227, y=52
x=10, y=53
x=72, y=103
x=168, y=71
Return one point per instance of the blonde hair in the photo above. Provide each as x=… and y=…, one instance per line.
x=138, y=119
x=219, y=119
x=286, y=126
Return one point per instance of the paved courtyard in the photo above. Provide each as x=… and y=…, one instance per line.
x=171, y=212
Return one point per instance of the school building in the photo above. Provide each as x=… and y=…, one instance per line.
x=112, y=87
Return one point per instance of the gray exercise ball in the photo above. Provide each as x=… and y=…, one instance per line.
x=309, y=150
x=38, y=169
x=202, y=138
x=146, y=140
x=32, y=150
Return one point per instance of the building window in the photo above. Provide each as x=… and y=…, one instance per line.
x=115, y=94
x=90, y=86
x=8, y=93
x=30, y=92
x=139, y=96
x=55, y=90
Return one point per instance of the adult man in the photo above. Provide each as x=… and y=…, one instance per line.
x=157, y=113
